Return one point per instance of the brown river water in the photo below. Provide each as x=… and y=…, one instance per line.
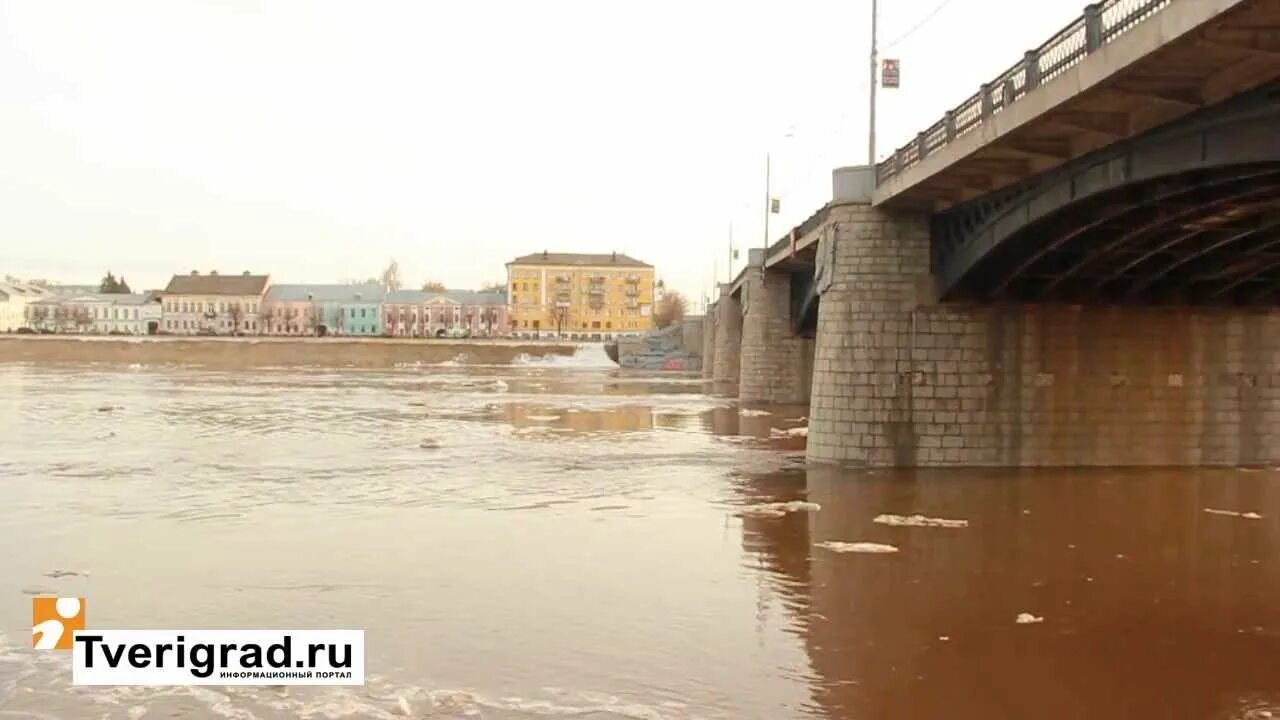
x=560, y=538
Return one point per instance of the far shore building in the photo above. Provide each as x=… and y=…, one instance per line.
x=97, y=313
x=359, y=316
x=580, y=296
x=426, y=313
x=213, y=304
x=321, y=309
x=14, y=299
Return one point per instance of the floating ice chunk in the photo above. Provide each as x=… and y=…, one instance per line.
x=1233, y=513
x=748, y=412
x=789, y=432
x=779, y=509
x=403, y=706
x=920, y=521
x=857, y=547
x=542, y=418
x=1028, y=619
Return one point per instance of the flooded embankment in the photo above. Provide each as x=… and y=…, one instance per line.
x=270, y=352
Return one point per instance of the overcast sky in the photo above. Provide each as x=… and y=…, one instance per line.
x=317, y=140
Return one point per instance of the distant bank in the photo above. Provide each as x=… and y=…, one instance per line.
x=272, y=352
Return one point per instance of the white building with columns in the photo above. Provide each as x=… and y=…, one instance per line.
x=97, y=313
x=14, y=299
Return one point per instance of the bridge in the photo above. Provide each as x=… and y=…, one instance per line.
x=1078, y=264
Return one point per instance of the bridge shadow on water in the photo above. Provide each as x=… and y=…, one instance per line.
x=1145, y=594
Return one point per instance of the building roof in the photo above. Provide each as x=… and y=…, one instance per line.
x=461, y=297
x=21, y=290
x=364, y=292
x=580, y=259
x=112, y=298
x=214, y=284
x=70, y=289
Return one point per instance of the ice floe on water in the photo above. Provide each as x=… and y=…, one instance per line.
x=542, y=418
x=789, y=432
x=857, y=547
x=1234, y=513
x=779, y=509
x=1028, y=619
x=749, y=412
x=919, y=521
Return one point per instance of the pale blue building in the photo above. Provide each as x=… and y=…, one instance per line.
x=359, y=316
x=323, y=309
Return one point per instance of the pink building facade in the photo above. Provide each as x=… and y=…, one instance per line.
x=315, y=309
x=452, y=313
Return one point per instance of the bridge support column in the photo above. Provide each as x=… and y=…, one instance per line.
x=728, y=343
x=709, y=342
x=774, y=365
x=871, y=267
x=901, y=380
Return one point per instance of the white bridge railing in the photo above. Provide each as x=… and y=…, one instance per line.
x=1101, y=23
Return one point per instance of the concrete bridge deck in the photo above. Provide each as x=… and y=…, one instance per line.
x=1084, y=272
x=1122, y=68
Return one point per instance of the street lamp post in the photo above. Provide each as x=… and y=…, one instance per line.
x=871, y=134
x=768, y=199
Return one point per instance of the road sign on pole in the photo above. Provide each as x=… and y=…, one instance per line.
x=890, y=74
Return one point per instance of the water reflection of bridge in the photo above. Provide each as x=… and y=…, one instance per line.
x=1152, y=606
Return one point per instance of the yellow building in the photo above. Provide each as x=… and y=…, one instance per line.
x=579, y=296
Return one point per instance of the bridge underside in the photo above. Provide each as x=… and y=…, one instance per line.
x=804, y=292
x=1187, y=214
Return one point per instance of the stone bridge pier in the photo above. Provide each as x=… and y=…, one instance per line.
x=903, y=380
x=727, y=343
x=776, y=364
x=709, y=342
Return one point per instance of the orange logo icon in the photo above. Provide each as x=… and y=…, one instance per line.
x=53, y=620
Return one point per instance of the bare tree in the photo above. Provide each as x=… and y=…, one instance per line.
x=670, y=310
x=236, y=312
x=37, y=315
x=82, y=318
x=391, y=277
x=264, y=318
x=315, y=318
x=393, y=321
x=561, y=315
x=61, y=318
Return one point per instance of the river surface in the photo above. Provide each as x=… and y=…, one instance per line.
x=559, y=538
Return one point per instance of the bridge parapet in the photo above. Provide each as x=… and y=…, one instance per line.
x=1100, y=24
